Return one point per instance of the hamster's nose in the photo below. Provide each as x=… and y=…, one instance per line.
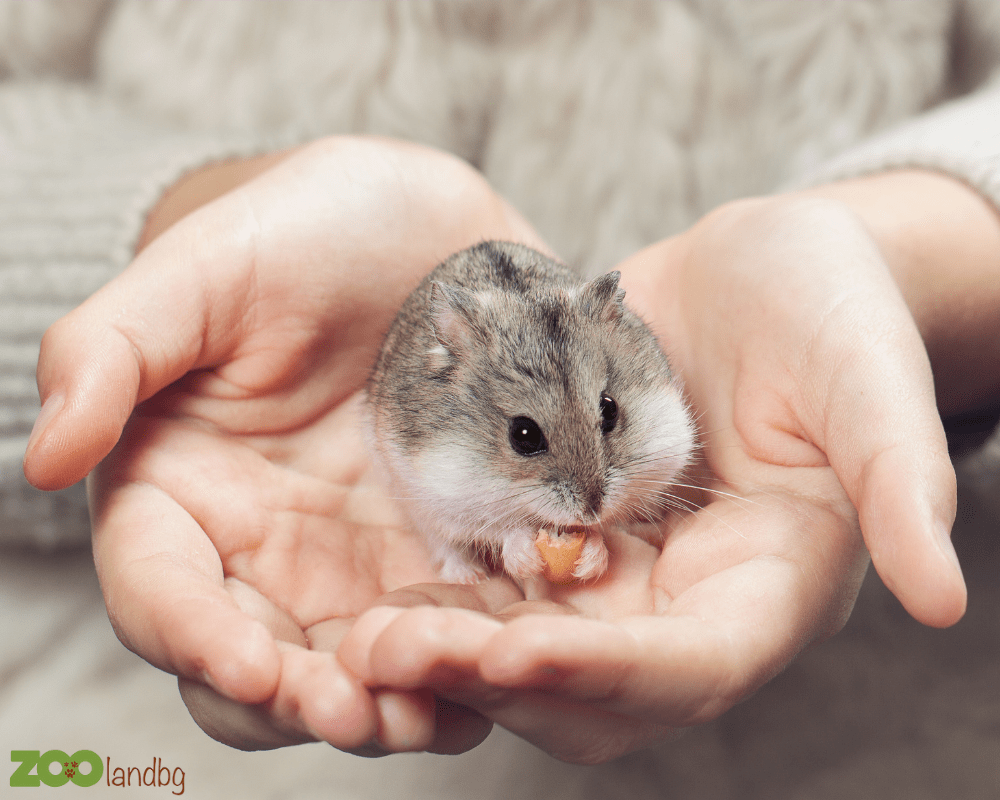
x=592, y=498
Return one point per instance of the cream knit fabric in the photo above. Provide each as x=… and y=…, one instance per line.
x=609, y=124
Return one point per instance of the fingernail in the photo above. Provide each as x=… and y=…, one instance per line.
x=946, y=545
x=53, y=405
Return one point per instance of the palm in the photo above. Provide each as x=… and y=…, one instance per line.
x=302, y=521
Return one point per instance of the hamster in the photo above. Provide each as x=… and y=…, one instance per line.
x=509, y=397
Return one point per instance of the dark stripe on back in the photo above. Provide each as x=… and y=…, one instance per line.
x=507, y=274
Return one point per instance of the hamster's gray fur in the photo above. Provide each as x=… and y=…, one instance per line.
x=499, y=336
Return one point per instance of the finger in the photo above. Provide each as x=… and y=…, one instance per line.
x=316, y=699
x=405, y=720
x=885, y=441
x=715, y=643
x=163, y=585
x=674, y=674
x=489, y=596
x=356, y=649
x=901, y=505
x=408, y=721
x=435, y=647
x=423, y=648
x=844, y=377
x=318, y=696
x=457, y=728
x=135, y=336
x=239, y=725
x=441, y=648
x=417, y=647
x=571, y=731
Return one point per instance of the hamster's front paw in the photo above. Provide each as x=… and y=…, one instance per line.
x=593, y=560
x=521, y=558
x=457, y=568
x=562, y=558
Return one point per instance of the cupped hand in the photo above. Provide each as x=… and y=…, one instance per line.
x=820, y=435
x=236, y=530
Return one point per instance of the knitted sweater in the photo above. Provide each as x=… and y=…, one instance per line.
x=608, y=124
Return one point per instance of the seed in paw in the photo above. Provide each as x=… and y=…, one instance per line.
x=560, y=551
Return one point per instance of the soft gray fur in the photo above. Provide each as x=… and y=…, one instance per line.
x=501, y=331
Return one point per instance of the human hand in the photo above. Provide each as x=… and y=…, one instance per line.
x=236, y=532
x=816, y=405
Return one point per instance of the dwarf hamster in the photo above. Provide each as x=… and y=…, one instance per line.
x=509, y=397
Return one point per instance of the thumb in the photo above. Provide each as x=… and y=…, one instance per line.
x=885, y=441
x=88, y=380
x=139, y=333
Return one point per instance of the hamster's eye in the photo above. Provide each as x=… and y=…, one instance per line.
x=609, y=413
x=526, y=437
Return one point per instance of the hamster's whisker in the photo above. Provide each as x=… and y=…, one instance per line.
x=655, y=466
x=638, y=510
x=734, y=497
x=677, y=484
x=502, y=498
x=486, y=504
x=655, y=458
x=665, y=452
x=488, y=524
x=647, y=505
x=475, y=514
x=511, y=518
x=750, y=488
x=741, y=502
x=684, y=506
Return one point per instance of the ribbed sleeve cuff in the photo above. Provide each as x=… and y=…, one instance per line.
x=78, y=174
x=960, y=138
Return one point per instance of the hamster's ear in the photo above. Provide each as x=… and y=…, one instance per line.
x=602, y=299
x=453, y=311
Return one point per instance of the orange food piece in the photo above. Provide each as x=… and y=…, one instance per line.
x=560, y=553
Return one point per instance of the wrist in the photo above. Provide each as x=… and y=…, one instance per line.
x=200, y=186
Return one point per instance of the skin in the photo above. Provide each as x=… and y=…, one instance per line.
x=243, y=545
